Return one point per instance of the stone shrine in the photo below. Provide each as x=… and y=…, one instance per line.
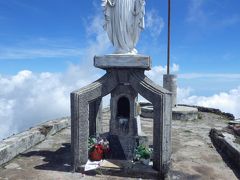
x=124, y=80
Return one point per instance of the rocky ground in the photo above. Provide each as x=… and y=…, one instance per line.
x=227, y=142
x=193, y=151
x=194, y=156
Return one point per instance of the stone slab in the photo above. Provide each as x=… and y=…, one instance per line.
x=211, y=110
x=185, y=113
x=178, y=113
x=122, y=61
x=16, y=144
x=227, y=146
x=124, y=168
x=111, y=164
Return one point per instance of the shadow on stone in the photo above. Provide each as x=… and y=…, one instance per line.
x=59, y=160
x=116, y=151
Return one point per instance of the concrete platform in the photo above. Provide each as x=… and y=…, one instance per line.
x=122, y=61
x=193, y=155
x=182, y=113
x=125, y=168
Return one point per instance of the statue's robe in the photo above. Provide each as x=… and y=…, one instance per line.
x=124, y=20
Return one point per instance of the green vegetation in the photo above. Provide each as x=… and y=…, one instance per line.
x=91, y=142
x=142, y=152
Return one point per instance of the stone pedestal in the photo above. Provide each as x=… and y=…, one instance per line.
x=118, y=61
x=170, y=83
x=124, y=80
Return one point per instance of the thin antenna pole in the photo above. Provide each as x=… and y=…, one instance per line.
x=169, y=36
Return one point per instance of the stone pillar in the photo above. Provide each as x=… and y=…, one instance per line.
x=79, y=130
x=162, y=102
x=170, y=83
x=83, y=101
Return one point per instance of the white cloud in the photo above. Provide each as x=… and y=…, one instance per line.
x=225, y=101
x=156, y=75
x=29, y=52
x=208, y=75
x=157, y=71
x=6, y=119
x=28, y=98
x=101, y=43
x=154, y=23
x=183, y=93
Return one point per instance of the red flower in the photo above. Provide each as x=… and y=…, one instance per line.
x=97, y=153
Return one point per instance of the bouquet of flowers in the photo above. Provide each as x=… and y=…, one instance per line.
x=143, y=154
x=98, y=148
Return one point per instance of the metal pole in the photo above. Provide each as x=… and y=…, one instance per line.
x=169, y=36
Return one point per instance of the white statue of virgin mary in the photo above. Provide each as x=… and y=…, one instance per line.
x=124, y=20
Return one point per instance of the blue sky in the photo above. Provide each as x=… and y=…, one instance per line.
x=205, y=34
x=55, y=41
